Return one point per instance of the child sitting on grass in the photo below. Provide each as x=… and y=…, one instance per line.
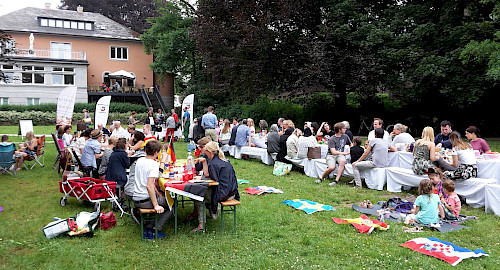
x=452, y=204
x=426, y=205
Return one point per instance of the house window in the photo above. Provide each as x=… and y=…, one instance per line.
x=32, y=74
x=4, y=101
x=59, y=23
x=119, y=53
x=60, y=50
x=74, y=25
x=88, y=26
x=67, y=24
x=47, y=22
x=52, y=23
x=63, y=76
x=32, y=101
x=44, y=22
x=8, y=77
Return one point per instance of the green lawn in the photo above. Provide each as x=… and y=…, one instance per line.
x=270, y=235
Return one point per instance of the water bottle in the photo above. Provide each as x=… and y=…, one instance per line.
x=189, y=163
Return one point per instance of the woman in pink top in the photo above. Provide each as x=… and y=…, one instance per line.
x=472, y=133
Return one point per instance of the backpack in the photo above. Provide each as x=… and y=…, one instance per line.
x=398, y=205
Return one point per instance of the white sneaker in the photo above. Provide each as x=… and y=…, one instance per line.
x=332, y=184
x=318, y=181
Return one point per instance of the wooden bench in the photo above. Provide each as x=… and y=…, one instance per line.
x=147, y=215
x=232, y=208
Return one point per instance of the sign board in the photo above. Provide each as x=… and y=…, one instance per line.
x=24, y=127
x=102, y=111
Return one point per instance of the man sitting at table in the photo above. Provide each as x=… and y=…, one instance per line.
x=236, y=123
x=443, y=138
x=378, y=123
x=91, y=152
x=243, y=135
x=119, y=131
x=336, y=153
x=145, y=195
x=378, y=147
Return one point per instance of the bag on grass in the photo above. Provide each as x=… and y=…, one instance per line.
x=107, y=220
x=58, y=227
x=398, y=205
x=281, y=168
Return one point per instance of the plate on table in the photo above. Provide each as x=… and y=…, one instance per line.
x=175, y=182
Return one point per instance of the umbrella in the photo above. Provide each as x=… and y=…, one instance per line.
x=121, y=74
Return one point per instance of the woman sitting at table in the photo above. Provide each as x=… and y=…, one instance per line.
x=106, y=153
x=251, y=126
x=292, y=143
x=273, y=141
x=324, y=131
x=399, y=135
x=424, y=153
x=67, y=138
x=218, y=168
x=118, y=164
x=473, y=134
x=225, y=133
x=463, y=165
x=263, y=127
x=27, y=149
x=136, y=141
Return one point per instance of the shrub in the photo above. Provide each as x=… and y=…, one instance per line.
x=52, y=107
x=49, y=118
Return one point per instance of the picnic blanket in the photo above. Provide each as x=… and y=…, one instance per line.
x=363, y=224
x=262, y=189
x=308, y=206
x=443, y=250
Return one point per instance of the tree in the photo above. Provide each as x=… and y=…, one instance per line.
x=169, y=41
x=131, y=13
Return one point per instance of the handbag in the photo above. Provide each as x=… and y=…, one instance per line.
x=107, y=221
x=314, y=152
x=87, y=120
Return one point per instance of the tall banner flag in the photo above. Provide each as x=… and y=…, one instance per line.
x=102, y=110
x=65, y=105
x=189, y=103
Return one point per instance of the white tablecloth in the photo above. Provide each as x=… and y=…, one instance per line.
x=488, y=168
x=252, y=152
x=492, y=199
x=315, y=168
x=473, y=190
x=398, y=177
x=400, y=159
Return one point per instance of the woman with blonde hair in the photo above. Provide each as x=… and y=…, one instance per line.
x=399, y=135
x=424, y=153
x=219, y=169
x=463, y=165
x=251, y=126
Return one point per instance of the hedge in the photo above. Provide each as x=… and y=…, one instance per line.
x=52, y=107
x=49, y=118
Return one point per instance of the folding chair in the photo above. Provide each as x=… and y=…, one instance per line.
x=86, y=172
x=39, y=157
x=7, y=158
x=61, y=154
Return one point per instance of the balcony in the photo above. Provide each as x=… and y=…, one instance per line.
x=48, y=54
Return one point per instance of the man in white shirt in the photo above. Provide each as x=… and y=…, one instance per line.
x=378, y=123
x=119, y=131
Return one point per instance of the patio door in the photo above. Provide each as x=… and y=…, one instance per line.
x=60, y=50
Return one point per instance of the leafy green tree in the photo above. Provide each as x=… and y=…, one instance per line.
x=169, y=41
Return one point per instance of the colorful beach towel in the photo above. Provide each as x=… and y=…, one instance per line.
x=443, y=250
x=308, y=206
x=363, y=224
x=262, y=189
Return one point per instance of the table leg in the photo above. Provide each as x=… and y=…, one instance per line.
x=175, y=213
x=204, y=215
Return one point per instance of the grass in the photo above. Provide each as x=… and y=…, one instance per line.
x=270, y=235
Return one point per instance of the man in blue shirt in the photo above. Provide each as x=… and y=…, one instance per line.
x=243, y=135
x=92, y=151
x=208, y=122
x=443, y=137
x=186, y=122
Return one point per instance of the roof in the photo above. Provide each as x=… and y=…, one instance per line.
x=26, y=20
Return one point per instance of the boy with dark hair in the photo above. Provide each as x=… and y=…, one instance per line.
x=145, y=195
x=356, y=150
x=336, y=153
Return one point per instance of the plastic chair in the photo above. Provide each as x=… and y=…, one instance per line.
x=7, y=158
x=39, y=157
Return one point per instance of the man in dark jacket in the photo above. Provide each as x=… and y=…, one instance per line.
x=236, y=123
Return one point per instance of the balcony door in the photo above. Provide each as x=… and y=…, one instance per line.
x=60, y=50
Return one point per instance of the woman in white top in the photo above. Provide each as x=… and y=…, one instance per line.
x=251, y=126
x=225, y=134
x=306, y=141
x=67, y=137
x=463, y=165
x=399, y=135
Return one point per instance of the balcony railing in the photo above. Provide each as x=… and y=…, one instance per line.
x=126, y=89
x=50, y=54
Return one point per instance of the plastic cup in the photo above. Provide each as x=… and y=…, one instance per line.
x=198, y=177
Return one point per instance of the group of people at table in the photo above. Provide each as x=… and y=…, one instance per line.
x=108, y=155
x=447, y=152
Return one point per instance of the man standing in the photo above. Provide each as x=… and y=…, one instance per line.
x=336, y=153
x=378, y=147
x=243, y=135
x=186, y=122
x=443, y=137
x=236, y=123
x=170, y=124
x=131, y=119
x=208, y=122
x=378, y=123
